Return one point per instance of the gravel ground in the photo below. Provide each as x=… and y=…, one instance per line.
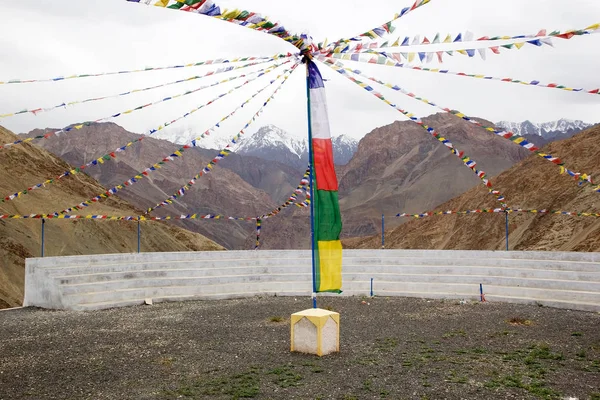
x=395, y=348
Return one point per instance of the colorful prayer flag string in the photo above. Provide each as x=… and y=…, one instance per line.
x=72, y=128
x=38, y=110
x=178, y=153
x=222, y=217
x=538, y=39
x=223, y=153
x=382, y=60
x=519, y=140
x=379, y=31
x=302, y=188
x=467, y=161
x=109, y=156
x=195, y=64
x=498, y=210
x=244, y=18
x=427, y=56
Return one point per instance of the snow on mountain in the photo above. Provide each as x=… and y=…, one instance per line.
x=269, y=143
x=270, y=138
x=547, y=130
x=344, y=148
x=216, y=140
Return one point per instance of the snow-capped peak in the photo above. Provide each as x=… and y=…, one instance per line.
x=344, y=140
x=545, y=129
x=271, y=137
x=187, y=134
x=269, y=142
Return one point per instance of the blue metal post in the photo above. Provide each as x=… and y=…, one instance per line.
x=382, y=232
x=139, y=231
x=506, y=216
x=371, y=287
x=312, y=192
x=481, y=292
x=43, y=225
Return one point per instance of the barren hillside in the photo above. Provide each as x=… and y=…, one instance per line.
x=531, y=184
x=24, y=165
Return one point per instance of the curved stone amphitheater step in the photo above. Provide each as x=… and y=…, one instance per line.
x=570, y=280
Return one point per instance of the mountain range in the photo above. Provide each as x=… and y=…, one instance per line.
x=270, y=143
x=553, y=130
x=396, y=168
x=237, y=189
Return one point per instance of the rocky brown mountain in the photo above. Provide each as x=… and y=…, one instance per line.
x=221, y=192
x=401, y=168
x=531, y=184
x=24, y=165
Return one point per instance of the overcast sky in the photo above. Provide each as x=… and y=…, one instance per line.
x=48, y=38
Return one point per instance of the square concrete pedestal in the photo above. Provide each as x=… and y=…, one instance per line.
x=315, y=331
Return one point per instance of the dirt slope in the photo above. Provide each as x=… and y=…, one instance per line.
x=532, y=184
x=24, y=165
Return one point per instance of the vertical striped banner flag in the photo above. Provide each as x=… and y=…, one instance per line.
x=327, y=220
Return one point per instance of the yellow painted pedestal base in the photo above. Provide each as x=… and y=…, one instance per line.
x=315, y=331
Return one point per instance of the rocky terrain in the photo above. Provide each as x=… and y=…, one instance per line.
x=23, y=165
x=531, y=184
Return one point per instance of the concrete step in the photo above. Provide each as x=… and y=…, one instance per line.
x=512, y=291
x=123, y=258
x=305, y=254
x=85, y=282
x=462, y=289
x=239, y=280
x=249, y=289
x=96, y=274
x=352, y=264
x=73, y=286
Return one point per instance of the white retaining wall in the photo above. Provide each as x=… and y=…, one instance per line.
x=567, y=280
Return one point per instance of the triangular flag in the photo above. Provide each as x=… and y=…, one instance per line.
x=536, y=42
x=458, y=38
x=482, y=53
x=436, y=39
x=429, y=57
x=425, y=40
x=594, y=27
x=416, y=40
x=448, y=39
